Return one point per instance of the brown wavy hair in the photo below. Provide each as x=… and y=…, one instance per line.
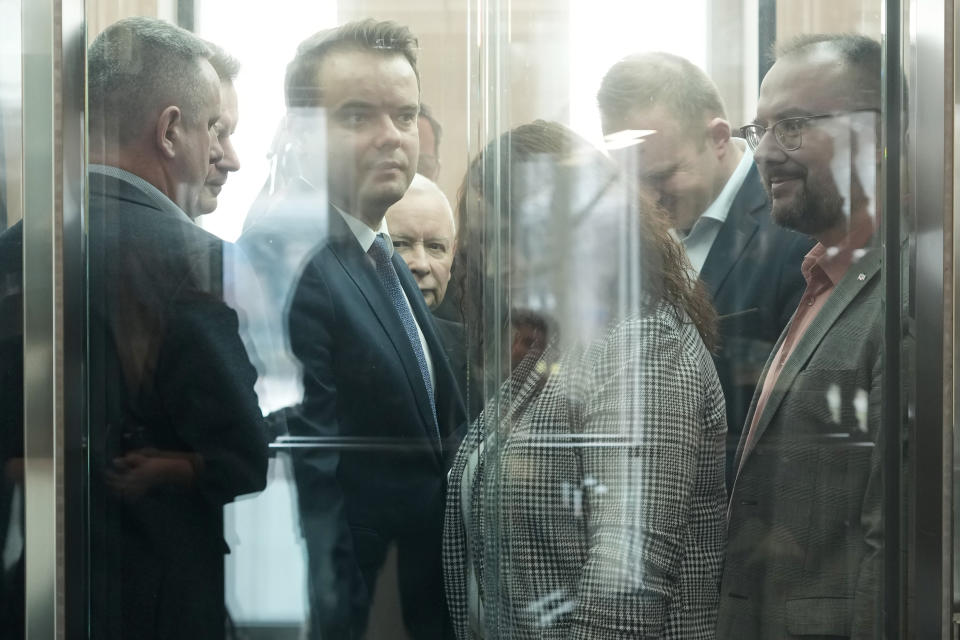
x=665, y=271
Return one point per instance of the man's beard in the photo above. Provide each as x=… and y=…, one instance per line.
x=814, y=210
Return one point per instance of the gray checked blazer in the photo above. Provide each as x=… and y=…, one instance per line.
x=805, y=529
x=601, y=513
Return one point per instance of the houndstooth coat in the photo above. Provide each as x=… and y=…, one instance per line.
x=600, y=511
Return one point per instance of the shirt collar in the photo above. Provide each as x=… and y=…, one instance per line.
x=158, y=198
x=720, y=207
x=364, y=234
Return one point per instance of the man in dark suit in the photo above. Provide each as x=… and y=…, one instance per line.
x=707, y=183
x=175, y=430
x=805, y=539
x=380, y=411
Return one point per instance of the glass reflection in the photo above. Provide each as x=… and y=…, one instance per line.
x=588, y=498
x=684, y=157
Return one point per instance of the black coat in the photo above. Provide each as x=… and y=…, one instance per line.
x=168, y=373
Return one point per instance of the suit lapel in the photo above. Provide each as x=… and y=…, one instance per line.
x=845, y=292
x=735, y=233
x=361, y=270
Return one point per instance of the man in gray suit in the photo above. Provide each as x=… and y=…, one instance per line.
x=805, y=535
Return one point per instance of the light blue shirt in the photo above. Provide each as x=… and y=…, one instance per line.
x=704, y=232
x=366, y=237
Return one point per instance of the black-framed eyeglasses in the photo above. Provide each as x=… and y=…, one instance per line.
x=787, y=132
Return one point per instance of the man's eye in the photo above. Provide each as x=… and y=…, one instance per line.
x=356, y=118
x=407, y=118
x=401, y=244
x=437, y=247
x=793, y=126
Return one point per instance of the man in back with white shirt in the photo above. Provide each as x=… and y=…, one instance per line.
x=668, y=119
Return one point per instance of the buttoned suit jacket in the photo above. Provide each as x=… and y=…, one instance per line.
x=602, y=503
x=362, y=382
x=167, y=371
x=752, y=273
x=804, y=538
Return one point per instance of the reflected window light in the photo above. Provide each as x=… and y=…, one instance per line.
x=625, y=138
x=263, y=62
x=604, y=31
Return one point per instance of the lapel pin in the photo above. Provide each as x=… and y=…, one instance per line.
x=862, y=277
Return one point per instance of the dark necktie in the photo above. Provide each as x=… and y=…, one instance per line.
x=388, y=277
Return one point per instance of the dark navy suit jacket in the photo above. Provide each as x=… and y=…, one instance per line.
x=385, y=481
x=753, y=275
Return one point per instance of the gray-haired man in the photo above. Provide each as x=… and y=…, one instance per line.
x=175, y=431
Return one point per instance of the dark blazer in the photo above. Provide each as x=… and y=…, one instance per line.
x=386, y=485
x=753, y=275
x=168, y=374
x=805, y=532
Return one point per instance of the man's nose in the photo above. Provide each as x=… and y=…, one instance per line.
x=230, y=161
x=417, y=259
x=216, y=149
x=768, y=150
x=388, y=134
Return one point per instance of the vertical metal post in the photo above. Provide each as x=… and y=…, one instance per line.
x=41, y=210
x=929, y=492
x=892, y=423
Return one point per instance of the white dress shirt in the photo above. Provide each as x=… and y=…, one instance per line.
x=704, y=232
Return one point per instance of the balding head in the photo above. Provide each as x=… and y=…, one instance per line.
x=422, y=228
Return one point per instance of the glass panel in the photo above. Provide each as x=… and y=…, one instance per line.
x=627, y=384
x=11, y=326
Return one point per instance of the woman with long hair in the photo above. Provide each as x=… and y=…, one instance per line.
x=587, y=500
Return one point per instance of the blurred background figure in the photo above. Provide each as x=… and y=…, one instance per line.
x=596, y=469
x=670, y=125
x=421, y=226
x=428, y=164
x=227, y=68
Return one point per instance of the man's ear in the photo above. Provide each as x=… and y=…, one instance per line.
x=718, y=136
x=168, y=131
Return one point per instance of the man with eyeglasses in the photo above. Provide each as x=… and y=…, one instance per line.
x=706, y=181
x=805, y=533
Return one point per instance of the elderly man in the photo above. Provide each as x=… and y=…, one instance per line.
x=708, y=184
x=381, y=407
x=175, y=431
x=805, y=532
x=421, y=226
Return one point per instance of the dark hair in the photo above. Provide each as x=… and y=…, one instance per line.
x=301, y=84
x=860, y=52
x=656, y=79
x=427, y=113
x=226, y=66
x=138, y=65
x=665, y=275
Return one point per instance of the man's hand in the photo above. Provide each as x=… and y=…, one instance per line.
x=138, y=472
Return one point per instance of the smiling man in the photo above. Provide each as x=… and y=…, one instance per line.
x=805, y=532
x=374, y=371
